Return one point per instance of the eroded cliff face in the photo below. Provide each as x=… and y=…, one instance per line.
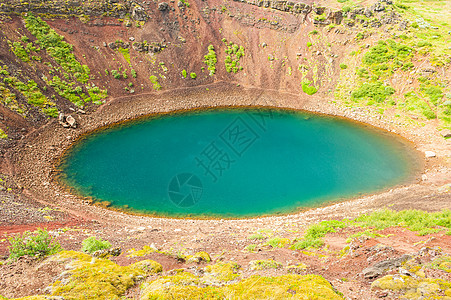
x=72, y=56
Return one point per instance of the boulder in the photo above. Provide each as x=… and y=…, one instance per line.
x=163, y=6
x=445, y=133
x=377, y=7
x=138, y=13
x=379, y=268
x=71, y=121
x=116, y=251
x=429, y=154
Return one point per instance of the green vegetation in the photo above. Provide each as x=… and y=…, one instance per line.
x=278, y=242
x=343, y=66
x=184, y=73
x=308, y=88
x=7, y=98
x=126, y=53
x=256, y=236
x=193, y=75
x=37, y=243
x=56, y=47
x=184, y=285
x=257, y=265
x=116, y=74
x=154, y=81
x=222, y=272
x=314, y=233
x=3, y=134
x=91, y=244
x=210, y=60
x=23, y=53
x=30, y=91
x=133, y=72
x=234, y=54
x=96, y=278
x=415, y=220
x=376, y=91
x=185, y=2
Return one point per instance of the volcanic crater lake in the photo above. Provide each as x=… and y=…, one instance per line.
x=234, y=162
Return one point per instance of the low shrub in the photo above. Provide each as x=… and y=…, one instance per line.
x=37, y=243
x=91, y=244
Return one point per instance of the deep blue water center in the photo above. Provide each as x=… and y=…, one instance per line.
x=234, y=162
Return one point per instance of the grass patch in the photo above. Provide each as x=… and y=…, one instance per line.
x=154, y=80
x=314, y=233
x=308, y=88
x=278, y=242
x=92, y=244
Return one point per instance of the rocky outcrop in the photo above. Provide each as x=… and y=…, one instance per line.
x=379, y=268
x=67, y=121
x=116, y=251
x=113, y=8
x=154, y=47
x=286, y=6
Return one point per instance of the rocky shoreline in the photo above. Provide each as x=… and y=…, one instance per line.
x=34, y=159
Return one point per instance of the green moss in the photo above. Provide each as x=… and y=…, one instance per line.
x=442, y=263
x=198, y=257
x=146, y=250
x=92, y=278
x=221, y=272
x=278, y=242
x=148, y=266
x=395, y=283
x=185, y=285
x=257, y=265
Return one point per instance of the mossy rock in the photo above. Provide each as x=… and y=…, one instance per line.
x=257, y=265
x=296, y=269
x=92, y=278
x=199, y=257
x=148, y=266
x=28, y=298
x=185, y=285
x=395, y=283
x=221, y=273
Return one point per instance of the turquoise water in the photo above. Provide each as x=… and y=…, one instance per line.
x=234, y=163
